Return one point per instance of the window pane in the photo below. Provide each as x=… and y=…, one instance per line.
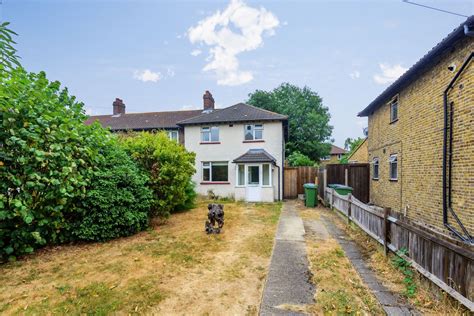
x=266, y=174
x=214, y=134
x=258, y=134
x=254, y=175
x=393, y=170
x=241, y=175
x=205, y=136
x=173, y=135
x=219, y=172
x=206, y=174
x=248, y=132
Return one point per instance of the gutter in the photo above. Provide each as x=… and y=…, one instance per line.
x=448, y=153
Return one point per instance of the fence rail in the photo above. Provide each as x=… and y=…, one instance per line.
x=446, y=262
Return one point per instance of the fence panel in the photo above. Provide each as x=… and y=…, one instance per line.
x=358, y=177
x=444, y=261
x=295, y=178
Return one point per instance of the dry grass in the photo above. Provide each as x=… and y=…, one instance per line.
x=173, y=268
x=428, y=299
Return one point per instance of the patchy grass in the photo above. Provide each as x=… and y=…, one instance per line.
x=339, y=289
x=172, y=268
x=427, y=298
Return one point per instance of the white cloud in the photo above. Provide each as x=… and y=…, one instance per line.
x=390, y=73
x=355, y=74
x=239, y=28
x=196, y=52
x=147, y=75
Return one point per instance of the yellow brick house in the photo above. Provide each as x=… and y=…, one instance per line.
x=421, y=138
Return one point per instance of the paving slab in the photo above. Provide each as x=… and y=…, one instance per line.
x=289, y=279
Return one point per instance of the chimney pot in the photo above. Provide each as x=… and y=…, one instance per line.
x=208, y=101
x=119, y=106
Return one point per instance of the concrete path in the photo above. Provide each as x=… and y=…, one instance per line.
x=288, y=281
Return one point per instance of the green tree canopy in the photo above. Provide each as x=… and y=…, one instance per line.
x=308, y=119
x=8, y=57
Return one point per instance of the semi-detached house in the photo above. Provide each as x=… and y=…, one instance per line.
x=240, y=150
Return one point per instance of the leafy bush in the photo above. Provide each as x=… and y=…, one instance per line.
x=117, y=201
x=47, y=157
x=169, y=166
x=190, y=197
x=297, y=159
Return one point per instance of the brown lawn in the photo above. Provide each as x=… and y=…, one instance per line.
x=173, y=268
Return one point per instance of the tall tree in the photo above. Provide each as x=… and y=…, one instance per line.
x=8, y=57
x=308, y=119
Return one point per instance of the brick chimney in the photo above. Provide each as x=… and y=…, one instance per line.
x=208, y=101
x=119, y=106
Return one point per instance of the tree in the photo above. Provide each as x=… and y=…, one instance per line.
x=297, y=159
x=308, y=119
x=8, y=57
x=350, y=145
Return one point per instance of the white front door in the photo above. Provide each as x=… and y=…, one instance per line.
x=253, y=188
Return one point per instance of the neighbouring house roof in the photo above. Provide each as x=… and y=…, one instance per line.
x=143, y=121
x=239, y=112
x=255, y=155
x=427, y=61
x=357, y=148
x=337, y=150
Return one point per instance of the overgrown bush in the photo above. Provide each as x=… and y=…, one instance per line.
x=117, y=200
x=297, y=159
x=47, y=158
x=170, y=168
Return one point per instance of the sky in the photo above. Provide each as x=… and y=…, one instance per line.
x=163, y=55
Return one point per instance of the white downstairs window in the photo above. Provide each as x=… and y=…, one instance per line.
x=213, y=171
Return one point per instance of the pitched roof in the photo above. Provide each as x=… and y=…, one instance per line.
x=143, y=121
x=337, y=150
x=357, y=148
x=431, y=58
x=239, y=112
x=255, y=155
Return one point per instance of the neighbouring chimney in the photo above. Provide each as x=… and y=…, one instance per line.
x=119, y=106
x=208, y=101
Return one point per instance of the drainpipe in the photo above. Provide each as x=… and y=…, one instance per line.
x=447, y=155
x=279, y=196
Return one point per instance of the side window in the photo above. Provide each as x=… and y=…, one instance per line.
x=240, y=175
x=209, y=134
x=253, y=132
x=393, y=160
x=375, y=169
x=173, y=135
x=394, y=109
x=266, y=174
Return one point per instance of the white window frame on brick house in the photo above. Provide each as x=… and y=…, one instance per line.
x=394, y=109
x=253, y=132
x=209, y=134
x=173, y=135
x=393, y=163
x=375, y=166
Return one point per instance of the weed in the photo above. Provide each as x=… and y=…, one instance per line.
x=405, y=267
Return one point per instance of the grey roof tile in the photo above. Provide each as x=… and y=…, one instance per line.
x=255, y=155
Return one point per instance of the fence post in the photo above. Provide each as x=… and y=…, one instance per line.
x=325, y=183
x=346, y=176
x=349, y=208
x=386, y=213
x=332, y=198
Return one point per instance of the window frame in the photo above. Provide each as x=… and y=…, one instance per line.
x=170, y=132
x=209, y=165
x=255, y=127
x=392, y=159
x=394, y=102
x=237, y=182
x=375, y=162
x=270, y=180
x=208, y=130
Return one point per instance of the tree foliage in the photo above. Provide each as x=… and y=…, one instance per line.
x=309, y=129
x=117, y=201
x=297, y=159
x=350, y=144
x=8, y=57
x=169, y=166
x=47, y=157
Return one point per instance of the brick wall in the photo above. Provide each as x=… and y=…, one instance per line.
x=417, y=138
x=361, y=154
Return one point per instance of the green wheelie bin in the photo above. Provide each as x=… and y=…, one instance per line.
x=310, y=194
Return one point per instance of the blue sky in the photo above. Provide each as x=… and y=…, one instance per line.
x=162, y=55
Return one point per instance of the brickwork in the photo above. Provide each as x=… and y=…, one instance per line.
x=417, y=139
x=361, y=154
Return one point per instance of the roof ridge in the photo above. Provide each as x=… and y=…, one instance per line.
x=135, y=113
x=271, y=112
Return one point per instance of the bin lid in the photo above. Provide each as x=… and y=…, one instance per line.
x=310, y=186
x=340, y=186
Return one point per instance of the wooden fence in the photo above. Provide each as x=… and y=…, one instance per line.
x=446, y=262
x=355, y=175
x=295, y=177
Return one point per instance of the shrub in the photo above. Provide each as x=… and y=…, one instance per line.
x=189, y=199
x=47, y=157
x=297, y=159
x=117, y=201
x=169, y=166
